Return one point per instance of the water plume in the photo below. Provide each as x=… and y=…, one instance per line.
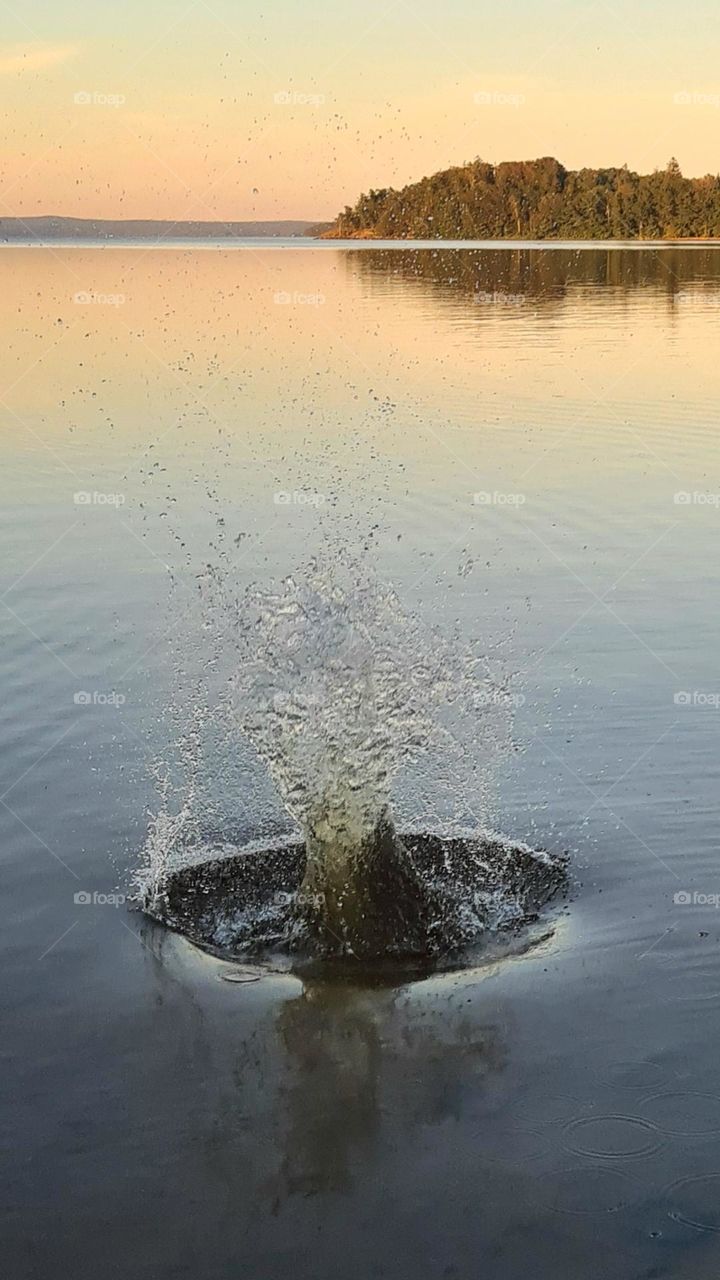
x=348, y=698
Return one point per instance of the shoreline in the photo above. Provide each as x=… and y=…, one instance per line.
x=279, y=243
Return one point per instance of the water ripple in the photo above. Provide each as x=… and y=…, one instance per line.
x=684, y=1115
x=696, y=1201
x=611, y=1137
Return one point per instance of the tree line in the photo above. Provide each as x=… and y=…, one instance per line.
x=538, y=200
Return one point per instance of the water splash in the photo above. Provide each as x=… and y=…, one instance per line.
x=351, y=703
x=339, y=687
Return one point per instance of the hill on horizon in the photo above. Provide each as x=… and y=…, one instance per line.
x=51, y=227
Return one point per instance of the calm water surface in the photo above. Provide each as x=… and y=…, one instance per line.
x=527, y=445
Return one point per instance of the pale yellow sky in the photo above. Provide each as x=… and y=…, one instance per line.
x=290, y=111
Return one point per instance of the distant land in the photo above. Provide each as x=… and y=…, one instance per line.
x=537, y=200
x=45, y=229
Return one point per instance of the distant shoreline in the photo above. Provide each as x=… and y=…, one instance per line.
x=135, y=233
x=51, y=228
x=295, y=243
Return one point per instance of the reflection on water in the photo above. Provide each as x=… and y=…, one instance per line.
x=522, y=275
x=351, y=1056
x=332, y=1041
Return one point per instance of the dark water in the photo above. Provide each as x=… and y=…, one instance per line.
x=557, y=1113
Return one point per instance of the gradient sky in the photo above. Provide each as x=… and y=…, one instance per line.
x=179, y=117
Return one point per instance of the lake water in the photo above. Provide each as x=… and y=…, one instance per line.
x=526, y=444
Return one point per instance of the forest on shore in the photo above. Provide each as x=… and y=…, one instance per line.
x=538, y=200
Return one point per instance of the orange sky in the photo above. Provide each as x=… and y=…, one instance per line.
x=289, y=110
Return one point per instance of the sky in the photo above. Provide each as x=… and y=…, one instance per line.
x=291, y=108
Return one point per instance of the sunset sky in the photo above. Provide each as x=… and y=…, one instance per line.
x=289, y=109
